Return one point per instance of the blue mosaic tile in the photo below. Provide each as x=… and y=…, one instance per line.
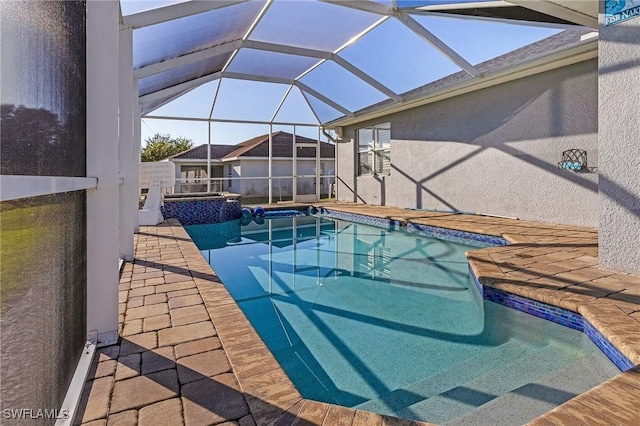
x=359, y=218
x=462, y=237
x=558, y=315
x=621, y=361
x=197, y=212
x=533, y=307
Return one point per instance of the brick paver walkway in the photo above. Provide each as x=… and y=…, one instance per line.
x=189, y=356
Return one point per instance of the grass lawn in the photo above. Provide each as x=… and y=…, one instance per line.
x=25, y=235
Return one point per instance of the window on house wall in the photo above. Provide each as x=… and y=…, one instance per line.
x=192, y=174
x=374, y=150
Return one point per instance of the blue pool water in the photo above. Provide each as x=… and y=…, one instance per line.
x=388, y=321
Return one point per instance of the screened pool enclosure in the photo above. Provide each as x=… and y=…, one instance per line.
x=228, y=68
x=100, y=75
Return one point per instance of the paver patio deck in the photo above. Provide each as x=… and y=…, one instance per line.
x=189, y=356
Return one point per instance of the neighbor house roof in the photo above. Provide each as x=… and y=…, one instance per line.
x=199, y=152
x=282, y=146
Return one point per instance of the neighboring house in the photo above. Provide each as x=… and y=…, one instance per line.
x=233, y=166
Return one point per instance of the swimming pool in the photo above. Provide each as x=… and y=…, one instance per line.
x=390, y=322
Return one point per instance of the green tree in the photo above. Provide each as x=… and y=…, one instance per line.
x=158, y=147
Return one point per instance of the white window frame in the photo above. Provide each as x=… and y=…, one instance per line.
x=375, y=151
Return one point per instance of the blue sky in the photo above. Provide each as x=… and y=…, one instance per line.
x=390, y=53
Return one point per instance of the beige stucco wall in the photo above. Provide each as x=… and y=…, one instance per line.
x=619, y=144
x=492, y=151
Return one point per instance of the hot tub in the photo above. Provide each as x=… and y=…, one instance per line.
x=195, y=209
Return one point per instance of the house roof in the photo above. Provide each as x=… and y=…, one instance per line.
x=200, y=152
x=561, y=41
x=282, y=146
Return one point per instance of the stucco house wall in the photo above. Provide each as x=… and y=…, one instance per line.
x=493, y=151
x=619, y=140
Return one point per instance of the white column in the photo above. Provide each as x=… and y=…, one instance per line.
x=270, y=163
x=318, y=168
x=137, y=147
x=102, y=162
x=294, y=168
x=127, y=153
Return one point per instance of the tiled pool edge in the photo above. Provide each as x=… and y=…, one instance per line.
x=542, y=310
x=558, y=315
x=360, y=218
x=469, y=238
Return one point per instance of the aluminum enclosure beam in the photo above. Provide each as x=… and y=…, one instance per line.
x=228, y=47
x=507, y=21
x=127, y=160
x=323, y=98
x=312, y=53
x=179, y=89
x=287, y=81
x=19, y=186
x=174, y=11
x=255, y=77
x=413, y=25
x=366, y=78
x=187, y=59
x=438, y=44
x=471, y=5
x=250, y=31
x=284, y=98
x=228, y=120
x=363, y=5
x=313, y=111
x=167, y=100
x=291, y=50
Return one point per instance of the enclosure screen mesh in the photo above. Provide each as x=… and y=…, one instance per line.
x=42, y=239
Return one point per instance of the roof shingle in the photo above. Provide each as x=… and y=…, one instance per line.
x=282, y=145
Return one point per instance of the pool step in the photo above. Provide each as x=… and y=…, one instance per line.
x=537, y=398
x=457, y=401
x=445, y=380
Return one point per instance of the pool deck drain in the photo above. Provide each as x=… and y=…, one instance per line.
x=189, y=356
